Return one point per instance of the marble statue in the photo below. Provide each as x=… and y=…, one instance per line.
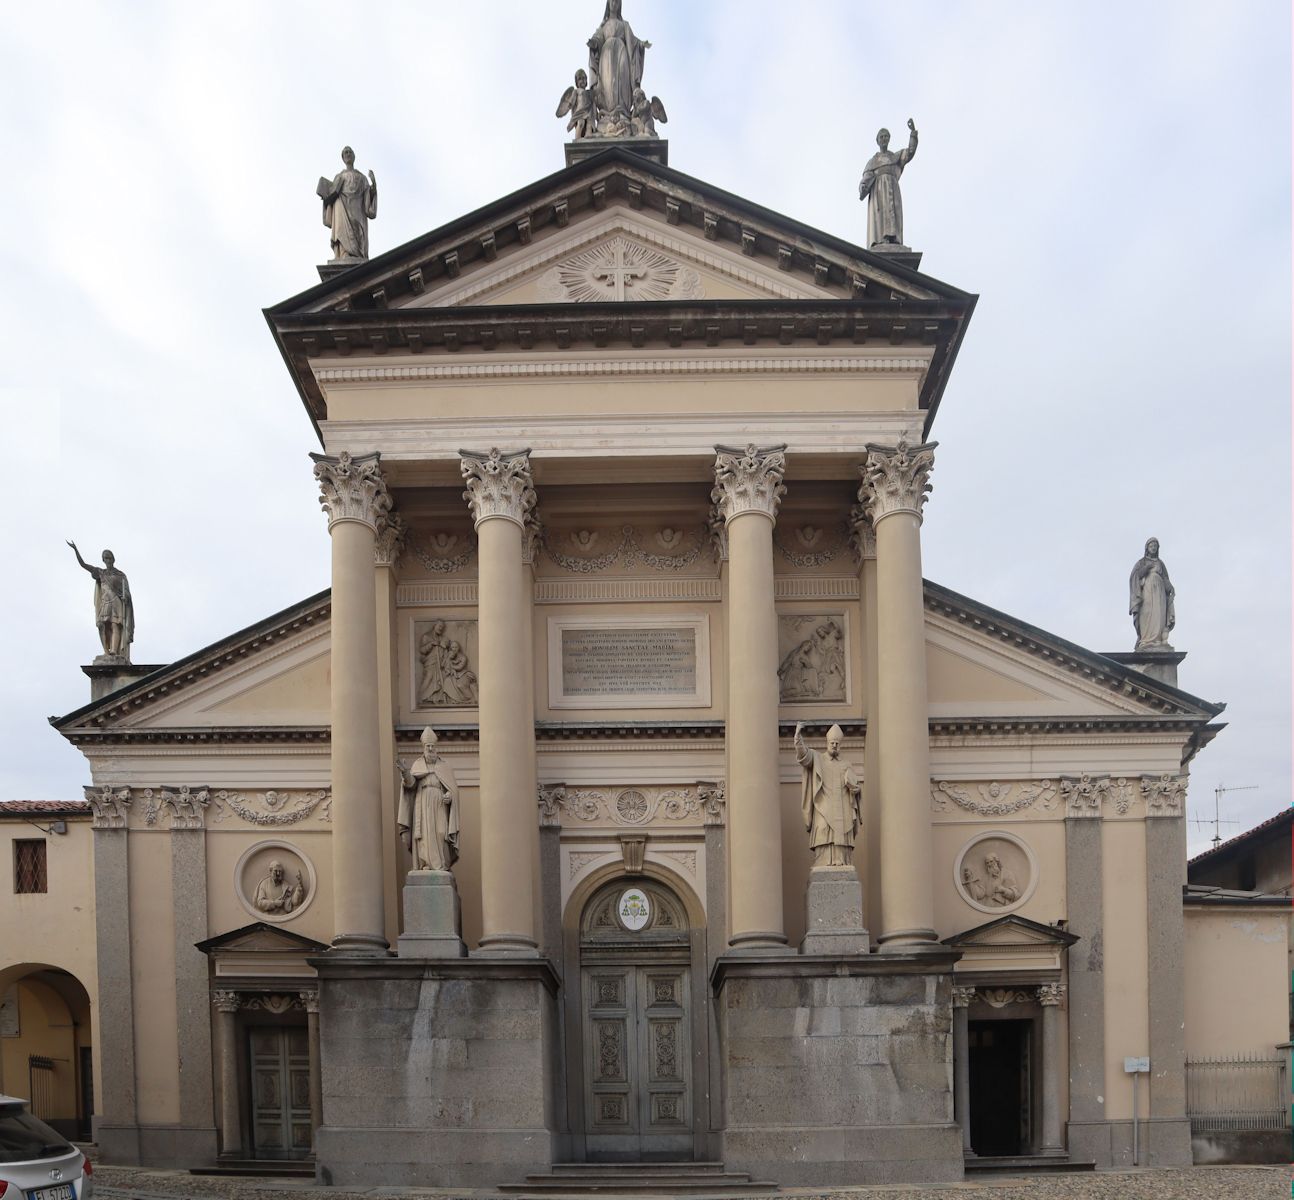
x=428, y=813
x=1150, y=600
x=275, y=894
x=114, y=611
x=830, y=799
x=349, y=204
x=578, y=101
x=645, y=113
x=880, y=186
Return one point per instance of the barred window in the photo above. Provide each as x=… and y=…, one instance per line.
x=29, y=874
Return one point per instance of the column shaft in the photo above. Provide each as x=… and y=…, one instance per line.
x=231, y=1133
x=961, y=1072
x=316, y=1071
x=1053, y=1081
x=356, y=760
x=754, y=785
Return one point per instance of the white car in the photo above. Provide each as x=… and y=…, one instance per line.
x=35, y=1162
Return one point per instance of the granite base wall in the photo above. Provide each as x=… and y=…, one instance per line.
x=1162, y=1142
x=180, y=1146
x=436, y=1073
x=1242, y=1146
x=838, y=1069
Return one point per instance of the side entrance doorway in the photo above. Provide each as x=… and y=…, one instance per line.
x=1001, y=1088
x=634, y=1078
x=280, y=1078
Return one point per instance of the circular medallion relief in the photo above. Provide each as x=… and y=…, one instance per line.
x=995, y=872
x=633, y=908
x=274, y=881
x=631, y=805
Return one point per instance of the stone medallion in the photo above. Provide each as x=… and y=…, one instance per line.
x=995, y=872
x=274, y=881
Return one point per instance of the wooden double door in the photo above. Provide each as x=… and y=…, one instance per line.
x=280, y=1087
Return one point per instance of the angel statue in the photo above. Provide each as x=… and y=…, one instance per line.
x=642, y=114
x=578, y=101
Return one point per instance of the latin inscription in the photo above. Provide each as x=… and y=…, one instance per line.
x=629, y=661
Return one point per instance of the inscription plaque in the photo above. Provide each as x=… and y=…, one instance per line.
x=629, y=663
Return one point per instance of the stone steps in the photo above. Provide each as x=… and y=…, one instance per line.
x=639, y=1179
x=1017, y=1164
x=265, y=1168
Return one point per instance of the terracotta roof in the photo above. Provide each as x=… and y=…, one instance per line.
x=44, y=808
x=1282, y=818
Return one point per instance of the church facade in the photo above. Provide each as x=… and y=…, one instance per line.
x=624, y=478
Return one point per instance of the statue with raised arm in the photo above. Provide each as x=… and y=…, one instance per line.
x=615, y=69
x=1150, y=600
x=349, y=204
x=428, y=813
x=114, y=612
x=832, y=792
x=880, y=187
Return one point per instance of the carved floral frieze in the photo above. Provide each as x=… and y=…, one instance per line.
x=1165, y=795
x=229, y=1001
x=445, y=553
x=108, y=806
x=185, y=806
x=808, y=546
x=271, y=808
x=589, y=551
x=995, y=799
x=703, y=803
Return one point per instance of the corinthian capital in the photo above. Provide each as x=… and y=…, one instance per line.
x=896, y=479
x=748, y=480
x=352, y=489
x=498, y=485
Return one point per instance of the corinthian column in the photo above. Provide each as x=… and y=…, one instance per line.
x=354, y=495
x=895, y=483
x=502, y=499
x=748, y=489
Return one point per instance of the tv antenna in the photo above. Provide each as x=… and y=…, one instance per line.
x=1218, y=822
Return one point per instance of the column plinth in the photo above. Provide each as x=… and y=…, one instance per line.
x=355, y=497
x=893, y=492
x=502, y=499
x=747, y=493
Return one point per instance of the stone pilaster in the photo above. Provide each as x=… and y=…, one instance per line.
x=1051, y=996
x=387, y=551
x=192, y=1007
x=1168, y=1141
x=748, y=490
x=501, y=495
x=893, y=493
x=354, y=495
x=963, y=997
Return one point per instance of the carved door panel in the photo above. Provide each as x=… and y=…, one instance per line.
x=280, y=1079
x=637, y=1059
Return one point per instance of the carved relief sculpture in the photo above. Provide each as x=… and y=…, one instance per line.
x=428, y=813
x=445, y=678
x=813, y=668
x=1000, y=886
x=275, y=893
x=619, y=269
x=108, y=806
x=349, y=204
x=1150, y=600
x=995, y=872
x=114, y=611
x=879, y=186
x=830, y=798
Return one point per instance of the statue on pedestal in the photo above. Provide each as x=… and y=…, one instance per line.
x=114, y=611
x=1150, y=600
x=608, y=100
x=578, y=101
x=428, y=813
x=880, y=186
x=832, y=792
x=349, y=204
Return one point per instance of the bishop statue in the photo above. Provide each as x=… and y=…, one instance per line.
x=832, y=793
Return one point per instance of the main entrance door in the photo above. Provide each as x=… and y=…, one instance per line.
x=636, y=1022
x=280, y=1074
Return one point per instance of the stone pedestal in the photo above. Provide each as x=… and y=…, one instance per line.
x=438, y=1073
x=1159, y=664
x=833, y=913
x=838, y=1068
x=108, y=674
x=432, y=917
x=657, y=149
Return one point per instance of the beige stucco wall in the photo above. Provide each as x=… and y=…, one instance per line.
x=1126, y=937
x=49, y=1027
x=1237, y=989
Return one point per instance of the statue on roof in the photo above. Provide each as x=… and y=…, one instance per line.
x=880, y=187
x=114, y=611
x=608, y=100
x=349, y=204
x=1150, y=600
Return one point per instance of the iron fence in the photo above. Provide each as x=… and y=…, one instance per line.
x=40, y=1079
x=1238, y=1092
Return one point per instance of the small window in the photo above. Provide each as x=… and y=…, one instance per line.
x=29, y=874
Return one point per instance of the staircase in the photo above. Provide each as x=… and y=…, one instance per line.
x=639, y=1179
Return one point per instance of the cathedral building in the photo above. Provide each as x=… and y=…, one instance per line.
x=733, y=840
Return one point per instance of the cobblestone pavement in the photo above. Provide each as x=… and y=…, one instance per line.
x=1197, y=1183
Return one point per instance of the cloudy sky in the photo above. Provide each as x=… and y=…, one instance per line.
x=1112, y=179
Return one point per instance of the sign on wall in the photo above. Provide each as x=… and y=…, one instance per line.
x=629, y=662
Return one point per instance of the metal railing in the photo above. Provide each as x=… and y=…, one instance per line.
x=1238, y=1092
x=40, y=1078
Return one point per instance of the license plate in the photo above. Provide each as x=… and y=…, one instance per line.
x=62, y=1191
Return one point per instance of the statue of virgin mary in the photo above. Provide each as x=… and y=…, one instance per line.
x=615, y=70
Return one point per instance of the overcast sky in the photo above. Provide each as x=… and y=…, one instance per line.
x=1113, y=180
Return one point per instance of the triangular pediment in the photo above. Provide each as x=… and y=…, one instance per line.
x=1011, y=932
x=260, y=938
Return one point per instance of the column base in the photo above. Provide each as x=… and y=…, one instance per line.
x=759, y=941
x=360, y=945
x=507, y=945
x=909, y=940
